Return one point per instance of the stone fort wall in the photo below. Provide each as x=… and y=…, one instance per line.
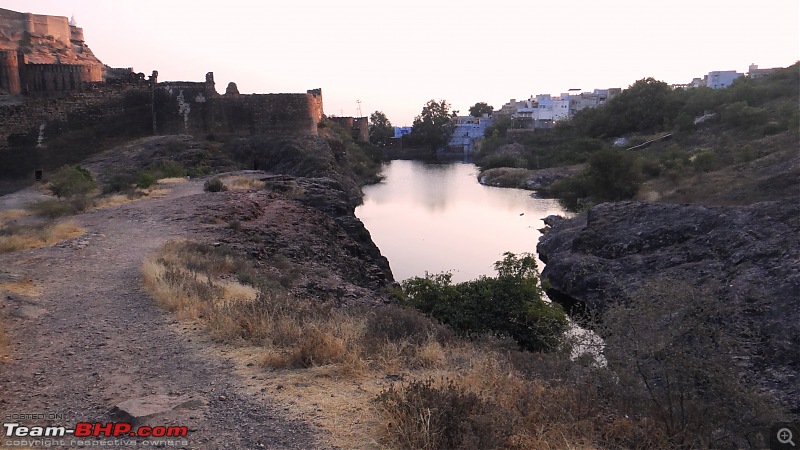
x=45, y=133
x=197, y=108
x=12, y=22
x=44, y=75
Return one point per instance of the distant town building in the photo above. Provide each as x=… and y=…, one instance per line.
x=544, y=110
x=468, y=132
x=401, y=131
x=755, y=72
x=720, y=79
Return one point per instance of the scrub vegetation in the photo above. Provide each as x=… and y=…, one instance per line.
x=744, y=127
x=477, y=365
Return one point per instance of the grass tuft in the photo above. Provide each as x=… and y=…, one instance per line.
x=15, y=238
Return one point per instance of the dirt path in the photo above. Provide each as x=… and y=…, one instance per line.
x=93, y=338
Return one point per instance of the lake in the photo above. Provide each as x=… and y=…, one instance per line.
x=438, y=218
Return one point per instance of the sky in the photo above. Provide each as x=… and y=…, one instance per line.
x=394, y=56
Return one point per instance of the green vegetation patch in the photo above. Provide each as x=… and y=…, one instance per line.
x=510, y=305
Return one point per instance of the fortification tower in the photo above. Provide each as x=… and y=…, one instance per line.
x=9, y=73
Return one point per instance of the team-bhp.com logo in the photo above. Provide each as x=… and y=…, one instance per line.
x=96, y=429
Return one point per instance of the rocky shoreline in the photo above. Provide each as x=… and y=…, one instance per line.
x=749, y=257
x=309, y=228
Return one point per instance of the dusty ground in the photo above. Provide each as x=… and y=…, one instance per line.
x=84, y=336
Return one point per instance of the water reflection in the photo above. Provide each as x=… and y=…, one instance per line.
x=437, y=217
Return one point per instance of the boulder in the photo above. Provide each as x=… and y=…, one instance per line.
x=136, y=411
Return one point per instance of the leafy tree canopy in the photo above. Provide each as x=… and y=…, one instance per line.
x=479, y=109
x=509, y=305
x=434, y=126
x=380, y=129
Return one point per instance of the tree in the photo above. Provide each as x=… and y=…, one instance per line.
x=380, y=129
x=509, y=305
x=479, y=109
x=433, y=127
x=72, y=181
x=647, y=105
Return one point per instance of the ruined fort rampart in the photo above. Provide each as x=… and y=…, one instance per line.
x=197, y=108
x=12, y=22
x=44, y=56
x=58, y=103
x=46, y=132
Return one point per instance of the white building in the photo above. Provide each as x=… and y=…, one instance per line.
x=544, y=110
x=720, y=79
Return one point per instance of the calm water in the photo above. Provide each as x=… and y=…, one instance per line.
x=437, y=218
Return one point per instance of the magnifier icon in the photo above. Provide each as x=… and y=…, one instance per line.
x=785, y=436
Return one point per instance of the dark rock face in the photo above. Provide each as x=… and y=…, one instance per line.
x=748, y=256
x=306, y=229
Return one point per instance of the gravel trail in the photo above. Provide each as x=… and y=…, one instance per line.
x=93, y=338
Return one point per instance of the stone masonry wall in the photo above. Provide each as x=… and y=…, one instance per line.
x=9, y=73
x=47, y=132
x=196, y=108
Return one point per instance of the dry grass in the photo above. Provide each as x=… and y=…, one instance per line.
x=25, y=287
x=16, y=238
x=139, y=194
x=238, y=182
x=387, y=377
x=12, y=214
x=113, y=200
x=156, y=192
x=171, y=180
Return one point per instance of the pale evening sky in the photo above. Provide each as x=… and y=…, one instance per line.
x=394, y=56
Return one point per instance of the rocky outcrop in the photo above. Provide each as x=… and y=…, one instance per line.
x=534, y=180
x=748, y=257
x=304, y=230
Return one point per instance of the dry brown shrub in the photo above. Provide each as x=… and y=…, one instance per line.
x=455, y=393
x=11, y=214
x=198, y=282
x=238, y=182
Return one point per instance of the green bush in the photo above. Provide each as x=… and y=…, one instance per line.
x=612, y=175
x=214, y=185
x=495, y=161
x=165, y=169
x=675, y=159
x=704, y=161
x=145, y=179
x=119, y=182
x=69, y=181
x=55, y=208
x=509, y=305
x=741, y=115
